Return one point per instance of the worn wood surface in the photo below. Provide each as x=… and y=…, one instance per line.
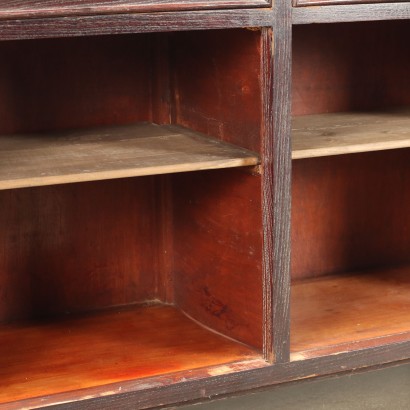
x=343, y=13
x=238, y=378
x=333, y=72
x=336, y=310
x=299, y=3
x=108, y=153
x=55, y=356
x=344, y=133
x=277, y=177
x=20, y=9
x=350, y=212
x=218, y=251
x=133, y=23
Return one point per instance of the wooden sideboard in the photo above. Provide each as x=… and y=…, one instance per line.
x=199, y=198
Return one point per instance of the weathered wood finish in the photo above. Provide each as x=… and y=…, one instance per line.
x=351, y=13
x=344, y=311
x=177, y=223
x=110, y=153
x=23, y=9
x=50, y=357
x=347, y=133
x=218, y=251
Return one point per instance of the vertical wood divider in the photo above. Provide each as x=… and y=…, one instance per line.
x=276, y=182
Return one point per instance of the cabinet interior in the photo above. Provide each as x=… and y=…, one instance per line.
x=128, y=278
x=350, y=221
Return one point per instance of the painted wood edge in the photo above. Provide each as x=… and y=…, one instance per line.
x=134, y=23
x=164, y=6
x=351, y=13
x=150, y=394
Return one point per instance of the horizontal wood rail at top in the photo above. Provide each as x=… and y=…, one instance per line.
x=112, y=152
x=20, y=9
x=43, y=358
x=351, y=132
x=351, y=13
x=302, y=3
x=76, y=26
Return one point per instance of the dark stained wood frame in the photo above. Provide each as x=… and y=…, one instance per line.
x=301, y=3
x=350, y=13
x=22, y=9
x=276, y=166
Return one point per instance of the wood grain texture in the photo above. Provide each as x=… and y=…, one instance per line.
x=21, y=9
x=109, y=153
x=301, y=3
x=203, y=384
x=218, y=251
x=337, y=310
x=350, y=212
x=78, y=247
x=223, y=97
x=344, y=133
x=45, y=358
x=350, y=13
x=52, y=85
x=277, y=176
x=133, y=23
x=334, y=72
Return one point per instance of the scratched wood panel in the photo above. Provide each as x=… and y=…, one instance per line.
x=45, y=358
x=108, y=153
x=336, y=310
x=18, y=9
x=344, y=133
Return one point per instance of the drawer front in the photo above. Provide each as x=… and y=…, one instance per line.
x=16, y=9
x=298, y=3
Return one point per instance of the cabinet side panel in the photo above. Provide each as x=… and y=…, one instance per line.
x=217, y=84
x=350, y=212
x=348, y=67
x=76, y=247
x=74, y=83
x=218, y=251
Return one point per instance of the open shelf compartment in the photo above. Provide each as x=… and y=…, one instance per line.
x=108, y=347
x=117, y=266
x=350, y=264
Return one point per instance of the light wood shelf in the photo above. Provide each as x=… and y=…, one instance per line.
x=112, y=152
x=346, y=133
x=340, y=313
x=45, y=358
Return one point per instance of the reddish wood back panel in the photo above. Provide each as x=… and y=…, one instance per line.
x=356, y=66
x=350, y=212
x=217, y=84
x=70, y=83
x=77, y=247
x=218, y=251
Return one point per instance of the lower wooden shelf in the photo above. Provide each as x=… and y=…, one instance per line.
x=50, y=357
x=344, y=313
